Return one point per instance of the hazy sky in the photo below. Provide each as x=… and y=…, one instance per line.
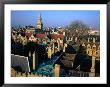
x=55, y=18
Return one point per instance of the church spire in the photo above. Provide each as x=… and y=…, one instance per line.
x=39, y=22
x=40, y=16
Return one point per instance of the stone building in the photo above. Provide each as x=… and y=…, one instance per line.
x=92, y=48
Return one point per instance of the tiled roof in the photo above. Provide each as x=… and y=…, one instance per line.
x=28, y=34
x=40, y=35
x=56, y=36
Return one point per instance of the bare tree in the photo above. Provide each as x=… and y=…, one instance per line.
x=78, y=25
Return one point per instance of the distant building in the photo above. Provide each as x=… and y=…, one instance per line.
x=30, y=30
x=39, y=26
x=39, y=23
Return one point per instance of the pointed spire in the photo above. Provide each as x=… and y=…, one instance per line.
x=39, y=22
x=40, y=15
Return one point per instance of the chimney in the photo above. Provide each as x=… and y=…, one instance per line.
x=57, y=70
x=88, y=39
x=49, y=52
x=29, y=53
x=71, y=38
x=64, y=48
x=53, y=47
x=93, y=40
x=75, y=39
x=58, y=45
x=66, y=39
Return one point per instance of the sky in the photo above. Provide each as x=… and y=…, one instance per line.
x=55, y=18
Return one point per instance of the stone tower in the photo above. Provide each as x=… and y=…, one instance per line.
x=39, y=22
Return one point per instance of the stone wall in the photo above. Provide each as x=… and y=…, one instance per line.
x=14, y=73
